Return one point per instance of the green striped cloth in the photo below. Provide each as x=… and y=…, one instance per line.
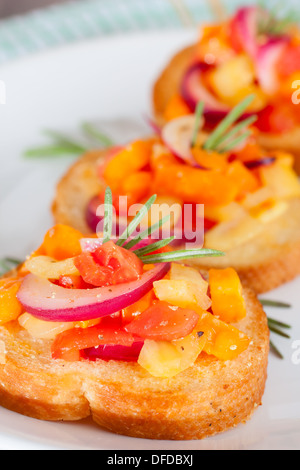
x=77, y=20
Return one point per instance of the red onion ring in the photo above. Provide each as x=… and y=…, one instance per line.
x=50, y=302
x=267, y=59
x=114, y=352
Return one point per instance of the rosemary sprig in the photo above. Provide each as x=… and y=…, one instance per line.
x=136, y=221
x=220, y=133
x=7, y=264
x=277, y=21
x=198, y=116
x=278, y=331
x=274, y=303
x=63, y=145
x=153, y=247
x=108, y=215
x=179, y=255
x=276, y=350
x=276, y=326
x=146, y=254
x=147, y=233
x=94, y=133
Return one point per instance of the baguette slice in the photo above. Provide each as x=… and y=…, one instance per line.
x=169, y=82
x=268, y=260
x=209, y=397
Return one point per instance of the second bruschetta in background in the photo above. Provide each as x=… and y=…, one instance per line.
x=252, y=52
x=251, y=197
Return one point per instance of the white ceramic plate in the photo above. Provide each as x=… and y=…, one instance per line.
x=109, y=82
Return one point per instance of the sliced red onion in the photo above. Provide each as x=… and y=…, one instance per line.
x=91, y=217
x=153, y=125
x=93, y=220
x=115, y=352
x=267, y=60
x=50, y=302
x=193, y=90
x=251, y=165
x=245, y=26
x=177, y=136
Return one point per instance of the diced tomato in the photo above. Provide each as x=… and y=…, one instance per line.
x=163, y=322
x=289, y=61
x=92, y=272
x=278, y=119
x=69, y=344
x=110, y=264
x=125, y=264
x=131, y=312
x=235, y=36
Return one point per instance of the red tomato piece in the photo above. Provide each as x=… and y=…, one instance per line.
x=92, y=272
x=67, y=345
x=126, y=266
x=289, y=61
x=109, y=264
x=278, y=120
x=163, y=322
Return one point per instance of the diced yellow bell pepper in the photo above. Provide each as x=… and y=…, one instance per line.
x=228, y=303
x=167, y=359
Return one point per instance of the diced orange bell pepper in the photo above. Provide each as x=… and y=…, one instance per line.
x=228, y=303
x=176, y=108
x=222, y=341
x=210, y=160
x=133, y=158
x=61, y=242
x=194, y=185
x=242, y=178
x=250, y=152
x=162, y=159
x=129, y=313
x=10, y=307
x=137, y=185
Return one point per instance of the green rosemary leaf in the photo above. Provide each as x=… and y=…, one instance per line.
x=278, y=331
x=108, y=215
x=274, y=303
x=94, y=133
x=51, y=151
x=235, y=142
x=153, y=247
x=278, y=323
x=146, y=233
x=227, y=122
x=233, y=133
x=136, y=221
x=6, y=264
x=65, y=141
x=198, y=116
x=179, y=255
x=276, y=350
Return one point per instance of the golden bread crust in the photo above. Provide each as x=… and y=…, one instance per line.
x=75, y=190
x=209, y=397
x=169, y=81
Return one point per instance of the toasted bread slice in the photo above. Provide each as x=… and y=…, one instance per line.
x=169, y=82
x=76, y=189
x=209, y=397
x=264, y=262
